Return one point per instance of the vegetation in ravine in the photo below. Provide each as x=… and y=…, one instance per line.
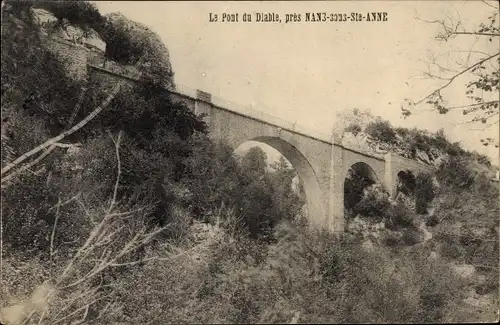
x=140, y=218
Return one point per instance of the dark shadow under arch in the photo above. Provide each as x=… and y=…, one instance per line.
x=406, y=182
x=359, y=176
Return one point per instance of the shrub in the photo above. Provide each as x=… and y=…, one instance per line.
x=399, y=216
x=483, y=159
x=33, y=78
x=30, y=209
x=374, y=203
x=354, y=187
x=424, y=192
x=432, y=220
x=381, y=130
x=455, y=149
x=457, y=172
x=392, y=239
x=353, y=128
x=450, y=247
x=440, y=141
x=127, y=41
x=411, y=237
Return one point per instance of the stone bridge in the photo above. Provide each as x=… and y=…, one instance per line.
x=320, y=160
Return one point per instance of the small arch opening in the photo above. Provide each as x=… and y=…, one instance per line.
x=359, y=176
x=406, y=183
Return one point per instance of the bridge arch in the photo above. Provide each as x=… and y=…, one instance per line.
x=364, y=169
x=405, y=182
x=356, y=178
x=303, y=169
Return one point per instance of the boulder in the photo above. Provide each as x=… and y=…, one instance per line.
x=464, y=270
x=43, y=18
x=367, y=245
x=49, y=25
x=357, y=225
x=421, y=155
x=156, y=64
x=426, y=234
x=88, y=38
x=433, y=255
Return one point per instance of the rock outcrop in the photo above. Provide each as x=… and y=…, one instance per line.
x=50, y=26
x=364, y=142
x=156, y=64
x=77, y=46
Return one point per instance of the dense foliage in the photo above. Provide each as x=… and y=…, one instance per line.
x=148, y=201
x=381, y=130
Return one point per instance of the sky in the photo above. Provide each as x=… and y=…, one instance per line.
x=308, y=72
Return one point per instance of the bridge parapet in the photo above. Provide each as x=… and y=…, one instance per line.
x=251, y=112
x=245, y=110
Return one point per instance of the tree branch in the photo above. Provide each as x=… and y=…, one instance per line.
x=475, y=33
x=118, y=162
x=75, y=128
x=72, y=130
x=31, y=164
x=457, y=75
x=77, y=107
x=53, y=234
x=488, y=4
x=472, y=105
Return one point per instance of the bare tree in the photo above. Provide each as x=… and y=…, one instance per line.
x=481, y=66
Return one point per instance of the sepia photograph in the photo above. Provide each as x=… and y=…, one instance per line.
x=249, y=162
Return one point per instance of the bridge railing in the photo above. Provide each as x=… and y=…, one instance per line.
x=186, y=91
x=250, y=111
x=247, y=110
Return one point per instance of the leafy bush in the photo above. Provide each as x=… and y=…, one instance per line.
x=354, y=128
x=127, y=41
x=32, y=204
x=374, y=203
x=455, y=149
x=440, y=141
x=457, y=173
x=381, y=130
x=354, y=187
x=411, y=236
x=424, y=141
x=393, y=239
x=432, y=221
x=33, y=78
x=424, y=192
x=399, y=216
x=311, y=276
x=450, y=247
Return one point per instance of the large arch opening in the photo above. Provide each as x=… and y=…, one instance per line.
x=304, y=182
x=359, y=176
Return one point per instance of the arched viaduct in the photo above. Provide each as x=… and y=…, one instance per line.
x=321, y=162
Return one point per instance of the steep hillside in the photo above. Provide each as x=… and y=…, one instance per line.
x=98, y=222
x=452, y=215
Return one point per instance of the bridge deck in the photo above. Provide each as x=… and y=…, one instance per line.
x=250, y=112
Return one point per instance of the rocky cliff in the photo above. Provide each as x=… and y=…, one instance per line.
x=116, y=43
x=358, y=139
